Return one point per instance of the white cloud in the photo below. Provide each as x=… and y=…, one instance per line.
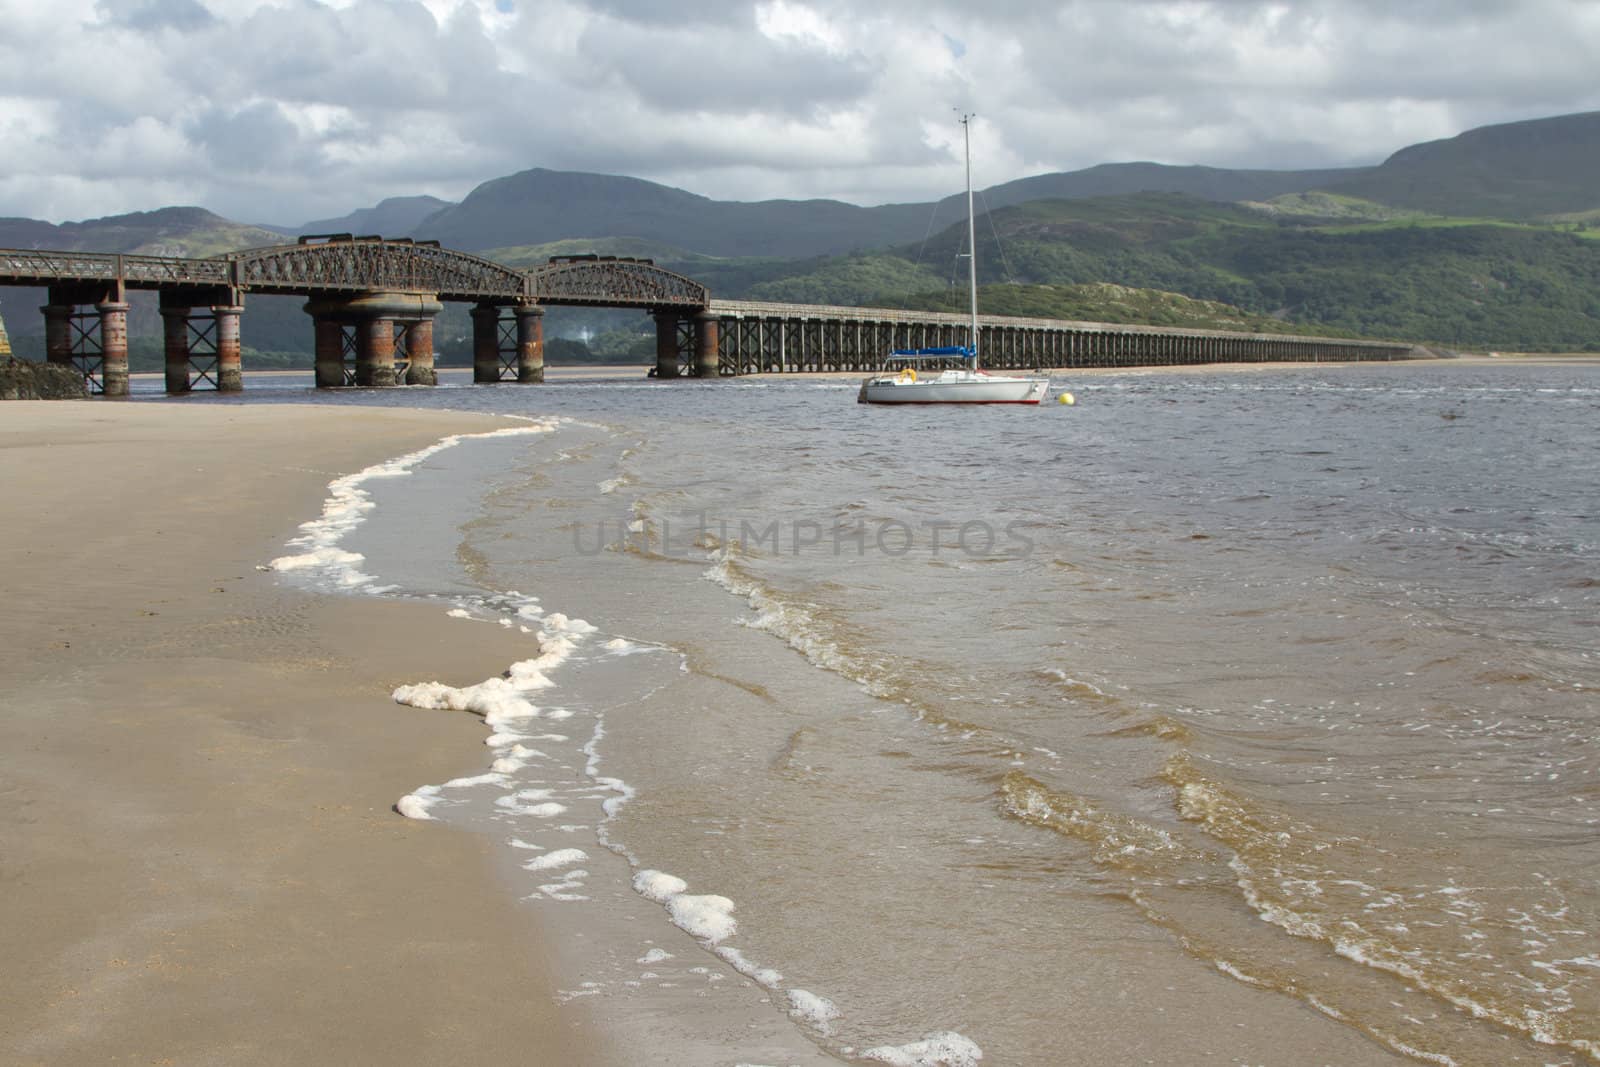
x=284, y=110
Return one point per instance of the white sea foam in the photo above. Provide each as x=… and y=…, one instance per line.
x=658, y=885
x=708, y=917
x=496, y=699
x=561, y=857
x=765, y=976
x=415, y=805
x=944, y=1049
x=492, y=778
x=558, y=623
x=816, y=1012
x=655, y=955
x=500, y=739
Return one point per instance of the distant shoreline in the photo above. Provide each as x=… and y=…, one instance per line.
x=556, y=375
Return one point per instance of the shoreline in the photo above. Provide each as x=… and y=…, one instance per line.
x=591, y=373
x=202, y=863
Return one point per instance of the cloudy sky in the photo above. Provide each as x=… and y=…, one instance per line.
x=289, y=110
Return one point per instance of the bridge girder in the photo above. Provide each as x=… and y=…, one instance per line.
x=602, y=282
x=369, y=265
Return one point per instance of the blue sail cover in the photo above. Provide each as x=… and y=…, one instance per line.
x=961, y=351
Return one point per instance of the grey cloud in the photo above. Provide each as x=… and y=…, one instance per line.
x=308, y=109
x=257, y=137
x=724, y=73
x=151, y=15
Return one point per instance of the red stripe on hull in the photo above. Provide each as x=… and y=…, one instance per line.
x=909, y=403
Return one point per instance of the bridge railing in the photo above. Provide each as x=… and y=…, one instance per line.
x=849, y=313
x=18, y=266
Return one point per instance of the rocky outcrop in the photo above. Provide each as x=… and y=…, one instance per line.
x=5, y=342
x=24, y=380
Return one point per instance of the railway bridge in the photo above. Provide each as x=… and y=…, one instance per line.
x=372, y=304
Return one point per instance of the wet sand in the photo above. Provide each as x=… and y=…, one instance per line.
x=198, y=860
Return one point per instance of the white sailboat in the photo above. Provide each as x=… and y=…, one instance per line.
x=924, y=375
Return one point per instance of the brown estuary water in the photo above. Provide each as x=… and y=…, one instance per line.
x=1242, y=717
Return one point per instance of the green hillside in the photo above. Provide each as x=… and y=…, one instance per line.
x=1100, y=302
x=1461, y=282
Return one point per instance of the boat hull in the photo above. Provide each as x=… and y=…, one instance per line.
x=983, y=389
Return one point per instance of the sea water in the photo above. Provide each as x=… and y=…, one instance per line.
x=1243, y=716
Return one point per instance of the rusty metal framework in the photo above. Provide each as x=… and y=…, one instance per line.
x=349, y=350
x=774, y=338
x=506, y=348
x=25, y=267
x=683, y=337
x=88, y=349
x=374, y=265
x=402, y=350
x=607, y=281
x=201, y=339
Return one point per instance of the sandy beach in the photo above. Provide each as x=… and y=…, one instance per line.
x=198, y=862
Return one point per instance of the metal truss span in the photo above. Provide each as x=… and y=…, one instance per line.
x=609, y=281
x=28, y=267
x=353, y=265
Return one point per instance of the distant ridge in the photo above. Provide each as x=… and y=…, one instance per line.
x=1205, y=183
x=168, y=231
x=396, y=216
x=1515, y=170
x=1540, y=168
x=539, y=206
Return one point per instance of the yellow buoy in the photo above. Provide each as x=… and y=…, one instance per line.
x=1066, y=398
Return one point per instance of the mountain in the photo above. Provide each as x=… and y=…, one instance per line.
x=170, y=231
x=394, y=217
x=1520, y=170
x=1120, y=179
x=540, y=206
x=1517, y=170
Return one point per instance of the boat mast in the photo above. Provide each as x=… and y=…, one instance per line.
x=972, y=242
